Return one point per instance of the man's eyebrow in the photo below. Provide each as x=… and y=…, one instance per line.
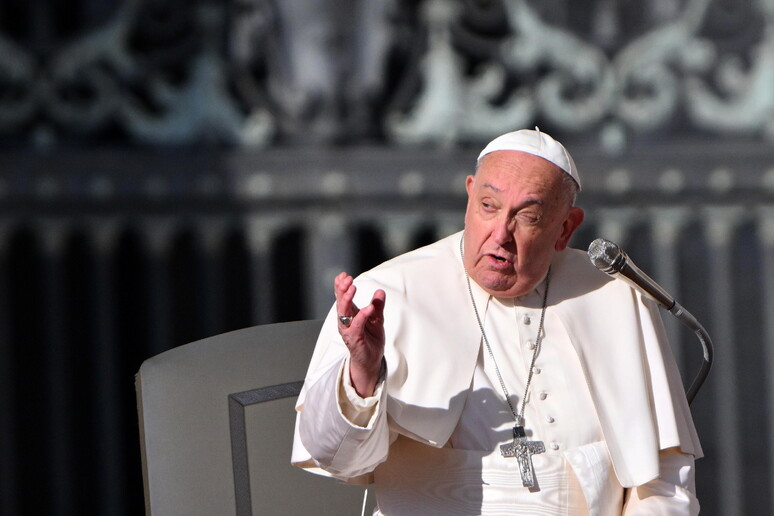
x=527, y=202
x=491, y=186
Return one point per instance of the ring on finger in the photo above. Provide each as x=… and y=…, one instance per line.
x=345, y=320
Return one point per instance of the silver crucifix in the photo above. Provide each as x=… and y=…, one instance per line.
x=523, y=450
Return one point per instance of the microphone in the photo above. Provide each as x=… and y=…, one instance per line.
x=611, y=259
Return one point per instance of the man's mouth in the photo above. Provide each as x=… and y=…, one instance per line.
x=499, y=261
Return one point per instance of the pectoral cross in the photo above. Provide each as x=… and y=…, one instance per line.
x=523, y=450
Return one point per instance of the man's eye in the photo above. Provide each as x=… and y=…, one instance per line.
x=529, y=217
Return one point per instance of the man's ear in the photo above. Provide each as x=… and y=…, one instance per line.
x=469, y=184
x=574, y=219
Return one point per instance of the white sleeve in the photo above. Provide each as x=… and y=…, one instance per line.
x=358, y=411
x=345, y=435
x=673, y=492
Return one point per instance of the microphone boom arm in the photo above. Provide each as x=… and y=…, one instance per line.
x=685, y=317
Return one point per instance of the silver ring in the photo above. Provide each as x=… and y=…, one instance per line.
x=345, y=320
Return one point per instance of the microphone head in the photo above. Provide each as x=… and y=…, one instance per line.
x=606, y=256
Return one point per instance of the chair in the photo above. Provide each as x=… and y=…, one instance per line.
x=216, y=427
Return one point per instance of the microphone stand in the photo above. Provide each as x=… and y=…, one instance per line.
x=685, y=317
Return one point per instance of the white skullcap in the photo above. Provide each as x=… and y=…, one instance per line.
x=538, y=144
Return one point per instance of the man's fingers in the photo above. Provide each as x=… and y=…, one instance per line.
x=350, y=316
x=344, y=289
x=378, y=300
x=342, y=284
x=374, y=312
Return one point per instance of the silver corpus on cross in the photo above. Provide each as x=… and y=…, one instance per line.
x=521, y=448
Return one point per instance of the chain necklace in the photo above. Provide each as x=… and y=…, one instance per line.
x=520, y=448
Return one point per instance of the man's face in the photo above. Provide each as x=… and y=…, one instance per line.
x=518, y=215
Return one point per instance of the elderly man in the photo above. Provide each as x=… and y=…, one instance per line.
x=497, y=371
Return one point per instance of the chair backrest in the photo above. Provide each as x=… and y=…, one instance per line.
x=216, y=427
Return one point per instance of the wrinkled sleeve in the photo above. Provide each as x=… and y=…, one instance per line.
x=344, y=435
x=673, y=492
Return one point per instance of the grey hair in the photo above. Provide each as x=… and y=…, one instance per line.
x=570, y=188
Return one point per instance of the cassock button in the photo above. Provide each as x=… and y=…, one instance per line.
x=554, y=446
x=543, y=395
x=550, y=419
x=531, y=344
x=536, y=370
x=526, y=319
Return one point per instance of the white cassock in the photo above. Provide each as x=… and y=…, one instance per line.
x=606, y=397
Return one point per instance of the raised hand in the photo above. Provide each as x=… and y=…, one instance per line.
x=364, y=335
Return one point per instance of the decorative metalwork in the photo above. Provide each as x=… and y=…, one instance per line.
x=669, y=73
x=154, y=70
x=254, y=72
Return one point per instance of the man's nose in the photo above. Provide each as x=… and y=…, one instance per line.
x=503, y=231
